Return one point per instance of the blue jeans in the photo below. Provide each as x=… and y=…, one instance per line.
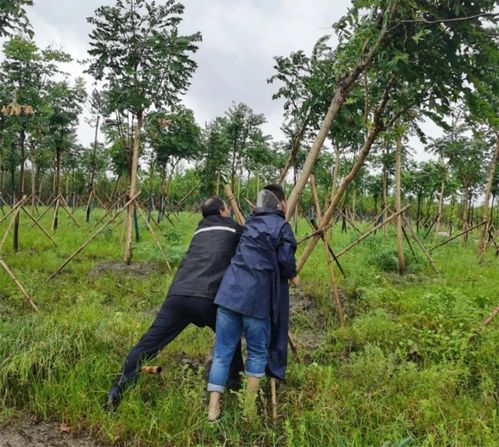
x=229, y=327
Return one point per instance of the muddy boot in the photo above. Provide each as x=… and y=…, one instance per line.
x=113, y=398
x=250, y=411
x=214, y=406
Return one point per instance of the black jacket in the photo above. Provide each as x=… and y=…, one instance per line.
x=212, y=247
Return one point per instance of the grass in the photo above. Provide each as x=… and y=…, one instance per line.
x=408, y=369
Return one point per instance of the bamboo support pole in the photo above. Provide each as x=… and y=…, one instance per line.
x=18, y=284
x=65, y=207
x=39, y=226
x=315, y=197
x=273, y=394
x=421, y=246
x=153, y=234
x=334, y=289
x=408, y=241
x=17, y=209
x=489, y=319
x=80, y=249
x=251, y=204
x=315, y=233
x=372, y=230
x=349, y=221
x=456, y=236
x=232, y=200
x=376, y=218
x=43, y=214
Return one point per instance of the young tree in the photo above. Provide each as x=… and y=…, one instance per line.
x=173, y=137
x=65, y=107
x=137, y=50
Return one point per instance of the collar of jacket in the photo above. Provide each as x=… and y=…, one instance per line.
x=216, y=219
x=264, y=211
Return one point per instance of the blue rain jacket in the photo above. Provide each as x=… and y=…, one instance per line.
x=256, y=281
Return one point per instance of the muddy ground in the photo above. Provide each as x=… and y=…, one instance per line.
x=30, y=432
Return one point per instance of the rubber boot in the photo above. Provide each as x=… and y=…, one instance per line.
x=250, y=404
x=214, y=406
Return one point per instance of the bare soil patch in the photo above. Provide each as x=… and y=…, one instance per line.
x=29, y=432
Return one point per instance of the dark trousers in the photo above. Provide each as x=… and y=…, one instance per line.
x=176, y=313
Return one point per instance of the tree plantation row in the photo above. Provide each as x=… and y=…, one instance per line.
x=348, y=112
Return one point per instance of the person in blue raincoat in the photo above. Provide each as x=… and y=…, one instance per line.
x=253, y=299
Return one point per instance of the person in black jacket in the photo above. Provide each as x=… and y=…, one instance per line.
x=191, y=294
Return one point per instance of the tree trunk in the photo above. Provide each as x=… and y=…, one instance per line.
x=464, y=217
x=33, y=185
x=440, y=208
x=398, y=207
x=328, y=215
x=385, y=201
x=485, y=214
x=133, y=184
x=92, y=175
x=343, y=86
x=22, y=141
x=294, y=149
x=57, y=187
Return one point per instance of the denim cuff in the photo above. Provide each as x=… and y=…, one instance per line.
x=218, y=388
x=257, y=375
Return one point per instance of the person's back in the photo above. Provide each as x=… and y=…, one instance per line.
x=253, y=298
x=263, y=257
x=190, y=297
x=210, y=251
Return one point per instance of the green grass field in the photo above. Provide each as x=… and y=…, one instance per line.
x=409, y=368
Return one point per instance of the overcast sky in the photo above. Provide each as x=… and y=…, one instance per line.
x=235, y=58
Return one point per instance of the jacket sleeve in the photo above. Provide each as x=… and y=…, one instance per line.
x=286, y=252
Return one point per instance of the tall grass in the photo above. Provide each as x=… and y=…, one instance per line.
x=409, y=368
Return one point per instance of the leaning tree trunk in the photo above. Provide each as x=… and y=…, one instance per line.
x=398, y=207
x=57, y=187
x=377, y=126
x=343, y=86
x=133, y=185
x=485, y=214
x=294, y=149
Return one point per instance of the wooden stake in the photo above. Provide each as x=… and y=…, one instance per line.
x=232, y=200
x=489, y=319
x=334, y=290
x=457, y=235
x=68, y=260
x=17, y=209
x=39, y=226
x=372, y=230
x=421, y=246
x=153, y=234
x=43, y=214
x=18, y=284
x=65, y=207
x=273, y=394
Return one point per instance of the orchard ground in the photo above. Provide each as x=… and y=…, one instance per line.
x=411, y=367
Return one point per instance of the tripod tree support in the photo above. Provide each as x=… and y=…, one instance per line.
x=80, y=249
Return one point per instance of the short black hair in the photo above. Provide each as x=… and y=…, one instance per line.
x=212, y=206
x=277, y=190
